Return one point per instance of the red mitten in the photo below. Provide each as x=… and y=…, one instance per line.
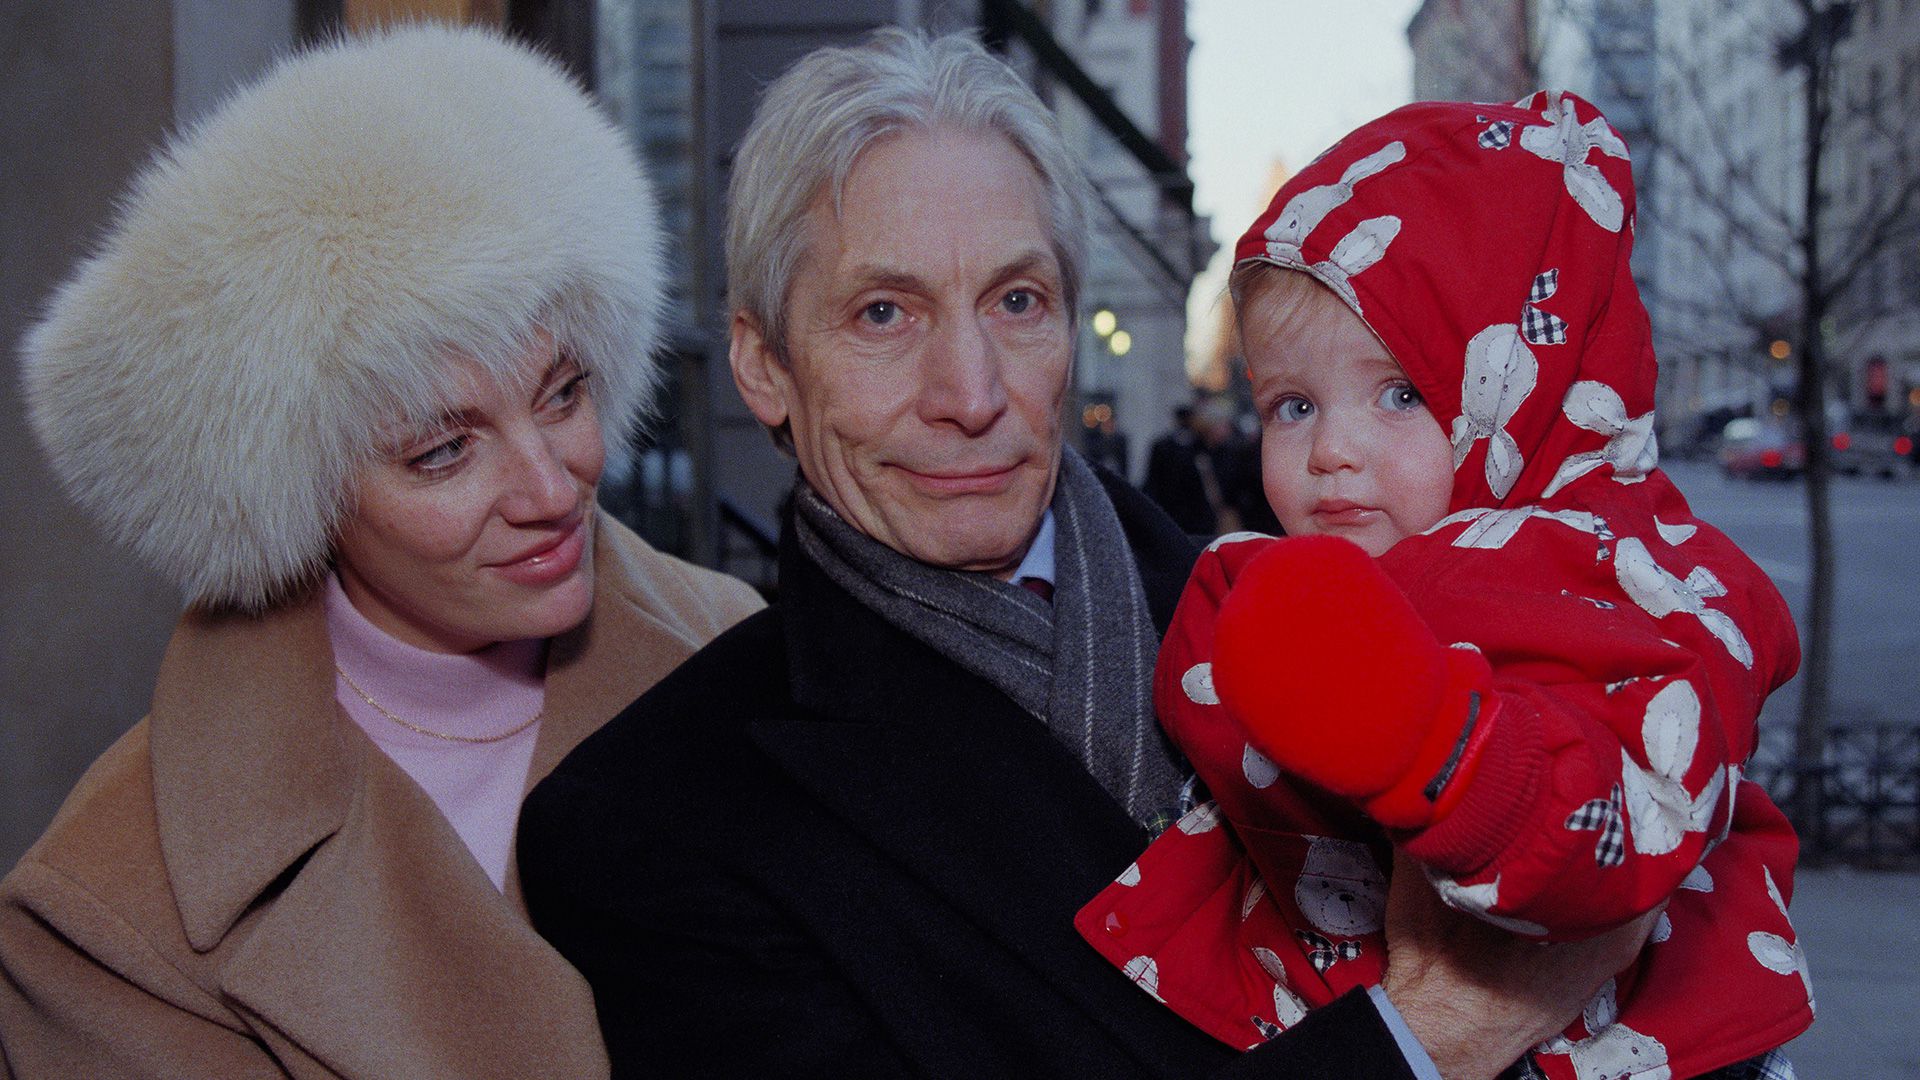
x=1320, y=657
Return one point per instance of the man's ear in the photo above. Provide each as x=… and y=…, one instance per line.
x=765, y=383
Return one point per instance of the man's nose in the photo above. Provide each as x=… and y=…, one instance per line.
x=963, y=379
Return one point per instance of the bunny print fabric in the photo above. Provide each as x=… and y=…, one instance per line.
x=1631, y=644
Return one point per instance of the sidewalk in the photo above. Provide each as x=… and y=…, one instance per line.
x=1861, y=931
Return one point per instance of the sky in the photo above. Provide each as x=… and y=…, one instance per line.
x=1279, y=80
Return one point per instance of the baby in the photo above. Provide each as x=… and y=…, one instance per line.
x=1496, y=638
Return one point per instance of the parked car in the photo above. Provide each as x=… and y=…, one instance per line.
x=1872, y=445
x=1761, y=449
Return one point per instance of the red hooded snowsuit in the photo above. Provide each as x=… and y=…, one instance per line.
x=1631, y=645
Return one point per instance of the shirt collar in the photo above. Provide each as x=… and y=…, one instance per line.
x=1039, y=560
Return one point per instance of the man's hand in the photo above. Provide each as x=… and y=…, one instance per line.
x=1478, y=997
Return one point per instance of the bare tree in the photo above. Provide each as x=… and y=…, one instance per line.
x=1777, y=236
x=1836, y=243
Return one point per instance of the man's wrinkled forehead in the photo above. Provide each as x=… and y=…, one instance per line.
x=911, y=276
x=868, y=242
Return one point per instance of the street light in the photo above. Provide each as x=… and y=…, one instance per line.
x=1104, y=321
x=1119, y=342
x=1780, y=350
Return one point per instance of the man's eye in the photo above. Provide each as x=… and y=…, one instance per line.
x=1292, y=410
x=1018, y=302
x=1401, y=397
x=881, y=313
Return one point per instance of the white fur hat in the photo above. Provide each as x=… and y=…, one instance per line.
x=296, y=270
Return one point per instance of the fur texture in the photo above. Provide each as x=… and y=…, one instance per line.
x=290, y=276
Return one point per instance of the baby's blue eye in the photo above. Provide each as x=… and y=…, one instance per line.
x=1292, y=410
x=1401, y=397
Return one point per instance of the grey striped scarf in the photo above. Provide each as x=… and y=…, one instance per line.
x=1083, y=664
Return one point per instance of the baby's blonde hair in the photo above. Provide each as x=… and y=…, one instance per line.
x=1282, y=291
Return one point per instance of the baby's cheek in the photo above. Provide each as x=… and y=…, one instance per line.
x=1283, y=481
x=1424, y=475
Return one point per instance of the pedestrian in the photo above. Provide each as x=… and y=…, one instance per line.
x=346, y=368
x=1174, y=480
x=1497, y=638
x=1104, y=445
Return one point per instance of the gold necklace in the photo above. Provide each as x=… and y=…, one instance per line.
x=382, y=710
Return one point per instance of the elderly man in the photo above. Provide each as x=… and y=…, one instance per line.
x=848, y=838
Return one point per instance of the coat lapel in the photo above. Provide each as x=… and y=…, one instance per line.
x=942, y=772
x=251, y=769
x=624, y=647
x=384, y=931
x=383, y=944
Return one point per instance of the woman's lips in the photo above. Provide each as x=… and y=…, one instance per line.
x=548, y=562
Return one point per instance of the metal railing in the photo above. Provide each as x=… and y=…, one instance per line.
x=1866, y=792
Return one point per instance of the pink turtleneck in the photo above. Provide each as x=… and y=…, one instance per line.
x=478, y=786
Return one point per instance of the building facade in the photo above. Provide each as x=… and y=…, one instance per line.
x=1471, y=50
x=1146, y=242
x=1876, y=334
x=1718, y=217
x=1712, y=99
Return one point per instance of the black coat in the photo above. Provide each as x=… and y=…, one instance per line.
x=820, y=848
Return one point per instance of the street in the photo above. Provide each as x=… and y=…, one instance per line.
x=1861, y=929
x=1876, y=528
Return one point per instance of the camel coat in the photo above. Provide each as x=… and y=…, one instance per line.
x=245, y=886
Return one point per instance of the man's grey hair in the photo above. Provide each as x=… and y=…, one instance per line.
x=815, y=120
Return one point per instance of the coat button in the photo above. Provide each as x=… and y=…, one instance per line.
x=1116, y=923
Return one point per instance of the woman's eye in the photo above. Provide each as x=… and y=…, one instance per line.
x=1018, y=302
x=881, y=313
x=570, y=392
x=1292, y=410
x=440, y=457
x=1401, y=397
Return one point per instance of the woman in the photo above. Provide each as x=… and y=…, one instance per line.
x=347, y=368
